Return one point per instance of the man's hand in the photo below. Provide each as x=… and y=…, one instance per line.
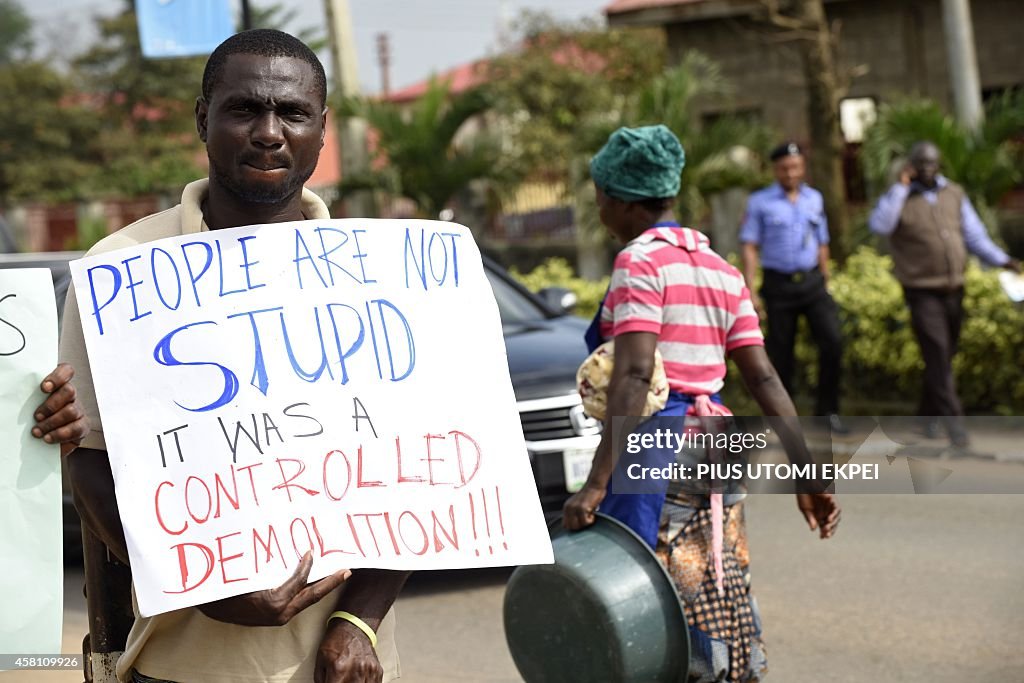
x=578, y=511
x=1013, y=265
x=60, y=418
x=907, y=175
x=277, y=606
x=346, y=656
x=821, y=510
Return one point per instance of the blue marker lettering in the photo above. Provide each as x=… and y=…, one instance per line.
x=132, y=284
x=157, y=279
x=96, y=307
x=308, y=376
x=420, y=264
x=410, y=344
x=324, y=253
x=247, y=264
x=360, y=255
x=300, y=241
x=260, y=380
x=220, y=267
x=162, y=355
x=430, y=257
x=455, y=255
x=343, y=355
x=193, y=278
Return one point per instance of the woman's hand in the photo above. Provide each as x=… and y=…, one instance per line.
x=821, y=510
x=578, y=511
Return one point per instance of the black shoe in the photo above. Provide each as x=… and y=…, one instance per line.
x=932, y=429
x=836, y=425
x=959, y=439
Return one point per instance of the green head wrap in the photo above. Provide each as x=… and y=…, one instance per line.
x=639, y=163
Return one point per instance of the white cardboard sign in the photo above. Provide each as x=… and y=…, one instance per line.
x=32, y=581
x=335, y=386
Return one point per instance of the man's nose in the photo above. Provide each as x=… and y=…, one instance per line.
x=267, y=131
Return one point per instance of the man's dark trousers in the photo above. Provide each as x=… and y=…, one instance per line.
x=936, y=316
x=786, y=297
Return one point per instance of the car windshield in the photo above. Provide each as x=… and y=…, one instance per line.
x=513, y=307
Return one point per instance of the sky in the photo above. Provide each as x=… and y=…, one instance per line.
x=426, y=36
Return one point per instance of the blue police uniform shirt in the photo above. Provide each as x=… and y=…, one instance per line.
x=788, y=233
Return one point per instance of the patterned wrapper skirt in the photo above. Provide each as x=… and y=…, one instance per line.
x=725, y=629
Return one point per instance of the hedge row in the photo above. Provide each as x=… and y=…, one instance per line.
x=881, y=362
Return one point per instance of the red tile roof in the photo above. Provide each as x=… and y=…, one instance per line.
x=623, y=6
x=460, y=78
x=328, y=169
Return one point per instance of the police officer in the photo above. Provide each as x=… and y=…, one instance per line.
x=785, y=231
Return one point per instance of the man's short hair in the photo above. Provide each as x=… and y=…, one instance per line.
x=919, y=148
x=263, y=42
x=786, y=149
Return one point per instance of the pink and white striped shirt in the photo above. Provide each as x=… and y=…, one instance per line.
x=668, y=281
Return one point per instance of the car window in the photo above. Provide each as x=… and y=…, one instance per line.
x=513, y=307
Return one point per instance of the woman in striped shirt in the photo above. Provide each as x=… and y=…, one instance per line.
x=669, y=291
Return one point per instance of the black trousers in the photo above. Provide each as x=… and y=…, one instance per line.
x=786, y=297
x=936, y=316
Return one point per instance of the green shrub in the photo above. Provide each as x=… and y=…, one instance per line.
x=882, y=365
x=556, y=272
x=881, y=361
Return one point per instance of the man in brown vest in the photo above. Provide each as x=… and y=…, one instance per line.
x=932, y=227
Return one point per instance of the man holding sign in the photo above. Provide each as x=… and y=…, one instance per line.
x=262, y=116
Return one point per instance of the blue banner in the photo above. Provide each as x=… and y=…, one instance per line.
x=181, y=28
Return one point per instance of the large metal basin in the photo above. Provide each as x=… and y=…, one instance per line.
x=606, y=610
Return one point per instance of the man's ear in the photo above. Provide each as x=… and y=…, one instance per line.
x=323, y=127
x=202, y=109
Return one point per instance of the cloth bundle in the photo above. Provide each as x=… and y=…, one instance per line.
x=595, y=373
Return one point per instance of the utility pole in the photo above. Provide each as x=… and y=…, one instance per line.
x=384, y=60
x=352, y=131
x=246, y=15
x=963, y=62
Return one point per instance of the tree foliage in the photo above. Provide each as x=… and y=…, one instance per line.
x=278, y=15
x=721, y=153
x=15, y=32
x=564, y=90
x=46, y=138
x=420, y=156
x=147, y=142
x=117, y=124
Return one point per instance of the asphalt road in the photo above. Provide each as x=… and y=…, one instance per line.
x=913, y=588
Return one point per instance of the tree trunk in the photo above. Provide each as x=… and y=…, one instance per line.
x=817, y=50
x=826, y=164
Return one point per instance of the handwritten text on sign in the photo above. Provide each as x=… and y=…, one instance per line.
x=339, y=387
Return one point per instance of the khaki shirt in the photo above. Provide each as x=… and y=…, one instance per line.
x=186, y=645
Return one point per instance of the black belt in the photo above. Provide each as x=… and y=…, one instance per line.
x=798, y=276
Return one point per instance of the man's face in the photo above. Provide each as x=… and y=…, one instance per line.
x=263, y=127
x=789, y=171
x=926, y=161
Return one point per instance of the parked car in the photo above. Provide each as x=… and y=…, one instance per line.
x=545, y=346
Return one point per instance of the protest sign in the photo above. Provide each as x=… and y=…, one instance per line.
x=339, y=387
x=30, y=493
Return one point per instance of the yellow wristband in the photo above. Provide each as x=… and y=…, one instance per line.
x=358, y=623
